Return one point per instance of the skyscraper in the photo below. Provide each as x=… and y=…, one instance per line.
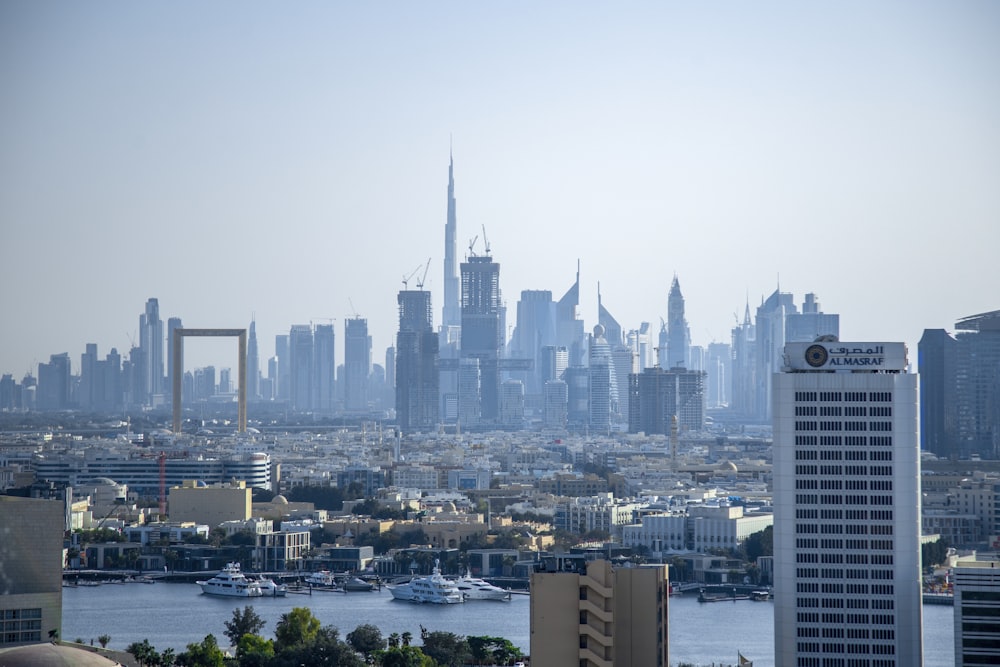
x=718, y=375
x=678, y=334
x=301, y=367
x=657, y=395
x=603, y=383
x=482, y=329
x=253, y=361
x=451, y=308
x=54, y=383
x=847, y=507
x=324, y=358
x=536, y=329
x=569, y=327
x=622, y=359
x=744, y=365
x=151, y=344
x=357, y=363
x=417, y=375
x=85, y=392
x=283, y=369
x=173, y=324
x=960, y=388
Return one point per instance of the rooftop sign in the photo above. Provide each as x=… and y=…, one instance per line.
x=845, y=356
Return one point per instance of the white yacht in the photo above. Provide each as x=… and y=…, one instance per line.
x=231, y=582
x=434, y=589
x=473, y=588
x=321, y=578
x=270, y=588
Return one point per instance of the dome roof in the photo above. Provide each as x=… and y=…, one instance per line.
x=52, y=655
x=448, y=506
x=727, y=466
x=103, y=481
x=279, y=500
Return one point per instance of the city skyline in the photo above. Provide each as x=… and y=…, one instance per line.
x=292, y=167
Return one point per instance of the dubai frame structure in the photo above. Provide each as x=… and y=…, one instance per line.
x=178, y=369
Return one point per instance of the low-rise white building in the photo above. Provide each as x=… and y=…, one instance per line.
x=699, y=528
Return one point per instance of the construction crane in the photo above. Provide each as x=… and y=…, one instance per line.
x=472, y=244
x=353, y=309
x=423, y=279
x=406, y=278
x=486, y=241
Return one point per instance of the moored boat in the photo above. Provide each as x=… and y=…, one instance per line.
x=434, y=589
x=473, y=588
x=321, y=579
x=357, y=584
x=231, y=582
x=270, y=588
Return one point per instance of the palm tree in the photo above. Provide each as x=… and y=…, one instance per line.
x=103, y=640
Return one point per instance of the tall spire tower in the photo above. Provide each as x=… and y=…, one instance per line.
x=678, y=334
x=451, y=311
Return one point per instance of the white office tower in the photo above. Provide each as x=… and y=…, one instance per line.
x=846, y=507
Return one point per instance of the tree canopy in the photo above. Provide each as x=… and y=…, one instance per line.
x=245, y=621
x=296, y=627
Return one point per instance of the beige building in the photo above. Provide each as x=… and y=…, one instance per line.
x=31, y=563
x=210, y=505
x=599, y=617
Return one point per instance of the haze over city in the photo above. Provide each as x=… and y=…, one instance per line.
x=242, y=159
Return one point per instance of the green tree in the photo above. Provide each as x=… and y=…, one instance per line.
x=394, y=640
x=759, y=544
x=323, y=649
x=143, y=652
x=407, y=638
x=298, y=626
x=254, y=651
x=103, y=640
x=678, y=569
x=204, y=654
x=241, y=538
x=323, y=497
x=245, y=621
x=167, y=658
x=445, y=648
x=366, y=639
x=493, y=650
x=406, y=656
x=934, y=553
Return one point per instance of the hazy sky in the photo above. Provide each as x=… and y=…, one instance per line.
x=290, y=159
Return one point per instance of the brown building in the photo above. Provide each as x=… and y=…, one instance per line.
x=210, y=505
x=31, y=563
x=595, y=615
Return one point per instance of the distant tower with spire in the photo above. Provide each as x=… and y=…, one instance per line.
x=451, y=310
x=678, y=334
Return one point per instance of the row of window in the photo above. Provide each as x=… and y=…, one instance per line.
x=20, y=626
x=840, y=573
x=842, y=397
x=806, y=425
x=809, y=661
x=840, y=441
